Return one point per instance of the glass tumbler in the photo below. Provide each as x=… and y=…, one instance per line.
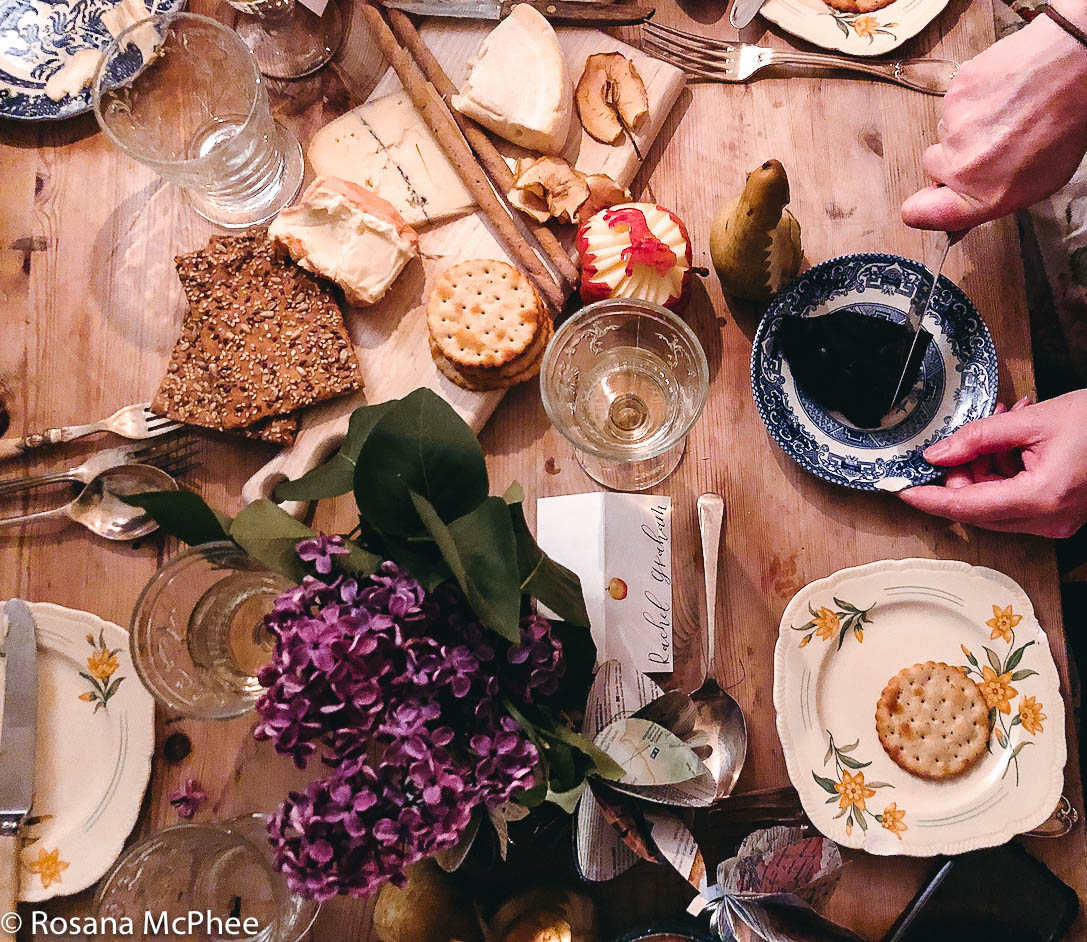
x=207, y=872
x=196, y=111
x=197, y=634
x=624, y=380
x=288, y=40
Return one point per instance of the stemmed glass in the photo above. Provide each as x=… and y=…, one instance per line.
x=287, y=40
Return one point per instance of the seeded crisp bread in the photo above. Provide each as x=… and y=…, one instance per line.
x=261, y=339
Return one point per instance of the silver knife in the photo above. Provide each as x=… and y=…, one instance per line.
x=18, y=743
x=557, y=11
x=743, y=12
x=915, y=323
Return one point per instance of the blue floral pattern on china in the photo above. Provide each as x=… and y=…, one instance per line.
x=36, y=36
x=958, y=381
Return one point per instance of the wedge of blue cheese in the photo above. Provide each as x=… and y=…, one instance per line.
x=386, y=147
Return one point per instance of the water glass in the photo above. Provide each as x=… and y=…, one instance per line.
x=288, y=40
x=213, y=872
x=197, y=634
x=624, y=380
x=196, y=111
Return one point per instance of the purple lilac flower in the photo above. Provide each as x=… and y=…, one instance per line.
x=320, y=551
x=190, y=797
x=398, y=693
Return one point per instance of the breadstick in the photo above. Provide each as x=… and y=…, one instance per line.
x=488, y=154
x=436, y=115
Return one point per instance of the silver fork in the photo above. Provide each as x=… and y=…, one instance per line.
x=175, y=456
x=719, y=61
x=136, y=421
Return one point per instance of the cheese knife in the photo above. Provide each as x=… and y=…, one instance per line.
x=743, y=12
x=914, y=322
x=18, y=741
x=557, y=11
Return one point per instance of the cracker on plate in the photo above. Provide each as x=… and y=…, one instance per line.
x=932, y=720
x=261, y=339
x=858, y=6
x=516, y=371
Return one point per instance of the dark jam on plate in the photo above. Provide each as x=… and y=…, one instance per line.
x=850, y=362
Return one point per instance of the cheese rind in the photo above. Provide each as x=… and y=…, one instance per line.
x=386, y=147
x=518, y=85
x=344, y=233
x=74, y=75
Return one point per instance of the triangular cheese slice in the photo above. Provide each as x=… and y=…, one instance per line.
x=518, y=85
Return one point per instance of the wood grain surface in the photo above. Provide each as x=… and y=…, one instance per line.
x=89, y=307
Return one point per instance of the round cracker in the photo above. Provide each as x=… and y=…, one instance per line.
x=478, y=381
x=932, y=720
x=483, y=313
x=532, y=355
x=858, y=6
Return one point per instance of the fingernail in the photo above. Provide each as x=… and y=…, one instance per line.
x=1025, y=401
x=937, y=451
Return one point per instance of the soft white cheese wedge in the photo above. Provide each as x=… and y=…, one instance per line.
x=518, y=85
x=385, y=147
x=348, y=235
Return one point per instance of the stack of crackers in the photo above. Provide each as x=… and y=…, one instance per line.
x=488, y=327
x=261, y=339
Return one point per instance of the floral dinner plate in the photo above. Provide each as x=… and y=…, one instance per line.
x=96, y=734
x=842, y=638
x=957, y=383
x=36, y=36
x=856, y=34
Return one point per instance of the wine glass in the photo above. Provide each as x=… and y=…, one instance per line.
x=182, y=94
x=624, y=380
x=288, y=40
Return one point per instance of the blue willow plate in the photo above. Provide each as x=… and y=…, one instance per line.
x=36, y=36
x=957, y=384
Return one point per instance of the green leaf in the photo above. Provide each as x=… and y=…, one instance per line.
x=337, y=475
x=845, y=606
x=992, y=718
x=851, y=763
x=846, y=625
x=480, y=550
x=532, y=797
x=1018, y=749
x=1015, y=657
x=973, y=660
x=543, y=578
x=1023, y=674
x=831, y=800
x=182, y=514
x=830, y=752
x=850, y=747
x=994, y=661
x=842, y=26
x=514, y=494
x=604, y=765
x=1016, y=720
x=827, y=784
x=840, y=813
x=567, y=800
x=859, y=818
x=269, y=534
x=419, y=445
x=879, y=784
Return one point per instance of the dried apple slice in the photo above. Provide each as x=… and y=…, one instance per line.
x=610, y=97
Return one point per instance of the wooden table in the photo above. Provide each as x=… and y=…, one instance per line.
x=90, y=310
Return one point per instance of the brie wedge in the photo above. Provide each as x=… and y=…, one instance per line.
x=518, y=85
x=384, y=146
x=348, y=235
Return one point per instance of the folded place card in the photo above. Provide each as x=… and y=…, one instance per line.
x=620, y=545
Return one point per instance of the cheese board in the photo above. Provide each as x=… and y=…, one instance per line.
x=391, y=338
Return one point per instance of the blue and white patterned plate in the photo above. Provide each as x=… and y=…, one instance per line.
x=36, y=36
x=958, y=381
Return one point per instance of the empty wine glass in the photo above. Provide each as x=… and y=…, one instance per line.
x=624, y=380
x=182, y=94
x=288, y=40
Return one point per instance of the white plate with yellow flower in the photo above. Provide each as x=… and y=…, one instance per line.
x=856, y=34
x=842, y=638
x=96, y=734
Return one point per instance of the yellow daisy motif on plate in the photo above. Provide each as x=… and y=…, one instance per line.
x=826, y=623
x=853, y=791
x=997, y=689
x=1031, y=715
x=892, y=819
x=48, y=866
x=102, y=665
x=865, y=26
x=1002, y=623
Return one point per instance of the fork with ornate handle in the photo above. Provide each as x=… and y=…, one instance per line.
x=136, y=421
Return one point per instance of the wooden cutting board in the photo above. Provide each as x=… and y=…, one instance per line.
x=391, y=338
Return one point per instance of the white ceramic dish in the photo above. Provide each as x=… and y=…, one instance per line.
x=828, y=679
x=855, y=34
x=93, y=758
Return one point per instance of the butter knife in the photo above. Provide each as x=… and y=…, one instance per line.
x=743, y=12
x=557, y=11
x=18, y=742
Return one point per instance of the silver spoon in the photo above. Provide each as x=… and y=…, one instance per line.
x=719, y=717
x=101, y=510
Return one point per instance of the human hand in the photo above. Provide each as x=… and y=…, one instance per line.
x=1013, y=130
x=1023, y=470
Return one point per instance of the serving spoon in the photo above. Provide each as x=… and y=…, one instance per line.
x=100, y=508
